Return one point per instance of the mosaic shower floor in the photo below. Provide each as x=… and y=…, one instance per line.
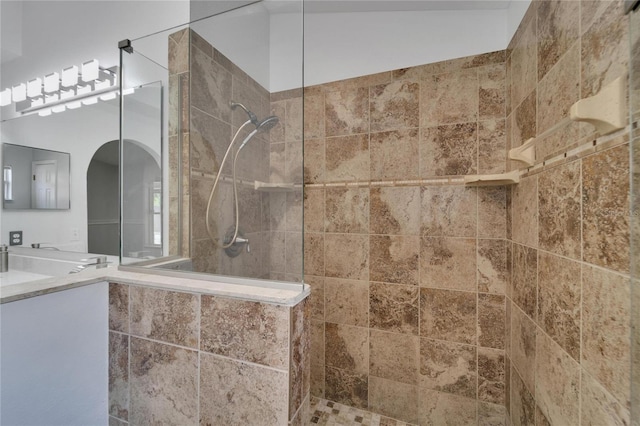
x=328, y=413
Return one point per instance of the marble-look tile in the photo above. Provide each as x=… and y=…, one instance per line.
x=491, y=97
x=361, y=81
x=445, y=409
x=449, y=211
x=314, y=202
x=232, y=392
x=316, y=298
x=347, y=111
x=178, y=51
x=559, y=298
x=525, y=212
x=394, y=106
x=491, y=414
x=558, y=29
x=248, y=331
x=559, y=90
x=491, y=317
x=116, y=422
x=448, y=315
x=523, y=347
x=448, y=263
x=395, y=210
x=493, y=273
x=448, y=367
x=394, y=356
x=394, y=259
x=605, y=48
x=300, y=355
x=524, y=278
x=507, y=388
x=492, y=146
x=346, y=387
x=119, y=307
x=449, y=150
x=314, y=160
x=347, y=158
x=346, y=301
x=557, y=382
x=314, y=263
x=507, y=327
x=196, y=40
x=491, y=375
x=394, y=154
x=605, y=208
x=163, y=384
x=213, y=85
x=250, y=97
x=347, y=210
x=293, y=120
x=393, y=399
x=314, y=118
x=605, y=330
x=168, y=316
x=523, y=405
x=347, y=256
x=303, y=415
x=559, y=208
x=209, y=138
x=347, y=348
x=523, y=123
x=492, y=212
x=317, y=357
x=277, y=159
x=393, y=308
x=599, y=407
x=449, y=98
x=541, y=418
x=293, y=162
x=524, y=76
x=279, y=109
x=119, y=375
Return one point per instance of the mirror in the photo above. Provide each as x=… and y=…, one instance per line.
x=35, y=179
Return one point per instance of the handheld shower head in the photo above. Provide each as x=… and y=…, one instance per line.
x=268, y=123
x=251, y=115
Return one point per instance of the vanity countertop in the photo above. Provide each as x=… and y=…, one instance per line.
x=277, y=293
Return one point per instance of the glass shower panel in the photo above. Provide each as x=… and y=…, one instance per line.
x=233, y=128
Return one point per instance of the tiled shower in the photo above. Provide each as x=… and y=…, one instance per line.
x=434, y=302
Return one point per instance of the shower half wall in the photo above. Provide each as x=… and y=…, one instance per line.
x=202, y=83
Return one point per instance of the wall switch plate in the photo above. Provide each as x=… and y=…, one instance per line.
x=15, y=238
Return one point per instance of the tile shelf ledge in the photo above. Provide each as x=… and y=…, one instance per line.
x=501, y=179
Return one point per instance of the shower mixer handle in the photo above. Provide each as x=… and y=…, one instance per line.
x=240, y=240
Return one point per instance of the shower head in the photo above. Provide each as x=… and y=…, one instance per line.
x=251, y=115
x=268, y=123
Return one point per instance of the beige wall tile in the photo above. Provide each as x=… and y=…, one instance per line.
x=346, y=302
x=491, y=317
x=394, y=259
x=557, y=382
x=491, y=414
x=393, y=399
x=394, y=356
x=299, y=355
x=448, y=367
x=491, y=98
x=439, y=408
x=347, y=210
x=395, y=210
x=347, y=111
x=558, y=29
x=346, y=387
x=525, y=212
x=314, y=246
x=559, y=205
x=393, y=307
x=314, y=203
x=347, y=256
x=491, y=375
x=215, y=84
x=394, y=106
x=347, y=348
x=316, y=298
x=317, y=357
x=232, y=392
x=293, y=120
x=524, y=75
x=119, y=307
x=605, y=333
x=449, y=211
x=599, y=407
x=119, y=375
x=279, y=109
x=168, y=316
x=491, y=146
x=492, y=266
x=164, y=384
x=314, y=160
x=448, y=263
x=559, y=298
x=449, y=150
x=394, y=154
x=347, y=158
x=523, y=347
x=449, y=98
x=249, y=331
x=523, y=122
x=524, y=279
x=605, y=206
x=448, y=315
x=314, y=120
x=492, y=212
x=522, y=403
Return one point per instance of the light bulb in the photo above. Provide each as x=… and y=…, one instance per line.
x=74, y=105
x=90, y=101
x=52, y=82
x=44, y=112
x=58, y=108
x=37, y=102
x=66, y=94
x=51, y=98
x=5, y=97
x=19, y=92
x=90, y=70
x=70, y=76
x=34, y=87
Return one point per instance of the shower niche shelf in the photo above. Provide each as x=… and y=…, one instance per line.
x=275, y=187
x=501, y=179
